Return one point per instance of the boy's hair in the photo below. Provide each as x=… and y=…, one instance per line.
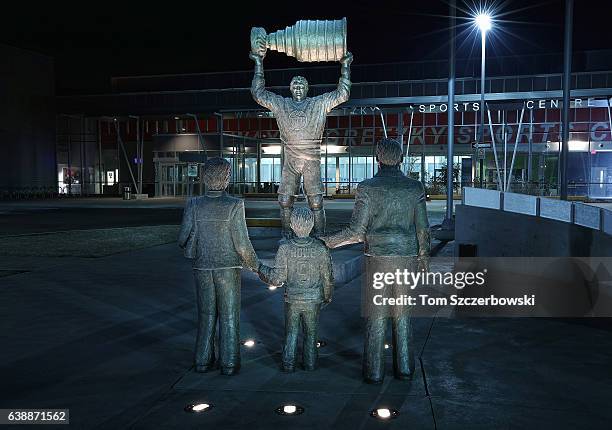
x=389, y=152
x=302, y=221
x=217, y=173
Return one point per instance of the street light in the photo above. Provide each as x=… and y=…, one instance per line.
x=447, y=223
x=484, y=22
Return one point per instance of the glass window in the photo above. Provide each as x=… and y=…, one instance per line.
x=344, y=168
x=270, y=169
x=601, y=175
x=430, y=167
x=411, y=166
x=250, y=169
x=329, y=175
x=324, y=172
x=363, y=168
x=331, y=169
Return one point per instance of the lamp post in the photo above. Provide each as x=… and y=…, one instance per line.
x=448, y=220
x=565, y=121
x=484, y=23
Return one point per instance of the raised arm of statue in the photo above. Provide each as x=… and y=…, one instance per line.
x=240, y=237
x=356, y=230
x=262, y=96
x=343, y=92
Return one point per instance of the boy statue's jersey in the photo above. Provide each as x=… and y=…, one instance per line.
x=304, y=266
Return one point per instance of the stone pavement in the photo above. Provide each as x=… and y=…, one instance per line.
x=43, y=216
x=111, y=338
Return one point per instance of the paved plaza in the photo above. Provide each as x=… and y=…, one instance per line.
x=111, y=337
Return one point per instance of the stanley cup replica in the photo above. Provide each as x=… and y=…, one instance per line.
x=301, y=119
x=307, y=41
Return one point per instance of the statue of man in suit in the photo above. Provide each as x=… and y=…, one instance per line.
x=214, y=234
x=391, y=218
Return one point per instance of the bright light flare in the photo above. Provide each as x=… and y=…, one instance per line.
x=383, y=413
x=198, y=407
x=483, y=21
x=289, y=409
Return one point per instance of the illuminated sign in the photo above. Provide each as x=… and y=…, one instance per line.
x=192, y=170
x=528, y=104
x=110, y=177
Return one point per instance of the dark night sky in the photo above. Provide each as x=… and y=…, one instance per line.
x=93, y=41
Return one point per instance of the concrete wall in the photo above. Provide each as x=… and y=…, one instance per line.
x=27, y=120
x=498, y=233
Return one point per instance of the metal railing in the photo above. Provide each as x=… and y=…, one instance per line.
x=585, y=215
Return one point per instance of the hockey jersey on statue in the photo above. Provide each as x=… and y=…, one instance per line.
x=304, y=266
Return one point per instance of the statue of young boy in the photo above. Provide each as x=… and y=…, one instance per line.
x=304, y=265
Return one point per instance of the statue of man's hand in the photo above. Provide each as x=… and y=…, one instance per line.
x=347, y=59
x=324, y=239
x=262, y=48
x=259, y=44
x=263, y=277
x=256, y=57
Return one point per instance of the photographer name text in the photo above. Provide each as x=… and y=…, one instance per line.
x=453, y=300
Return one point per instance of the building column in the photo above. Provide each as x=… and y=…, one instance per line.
x=337, y=173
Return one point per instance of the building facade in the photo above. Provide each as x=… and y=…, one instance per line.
x=27, y=124
x=154, y=132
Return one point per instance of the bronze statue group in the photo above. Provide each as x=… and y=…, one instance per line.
x=389, y=217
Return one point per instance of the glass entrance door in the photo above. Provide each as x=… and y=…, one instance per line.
x=167, y=179
x=181, y=187
x=173, y=180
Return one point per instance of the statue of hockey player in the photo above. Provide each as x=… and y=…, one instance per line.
x=301, y=121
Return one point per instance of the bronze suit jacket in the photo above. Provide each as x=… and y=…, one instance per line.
x=214, y=233
x=389, y=216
